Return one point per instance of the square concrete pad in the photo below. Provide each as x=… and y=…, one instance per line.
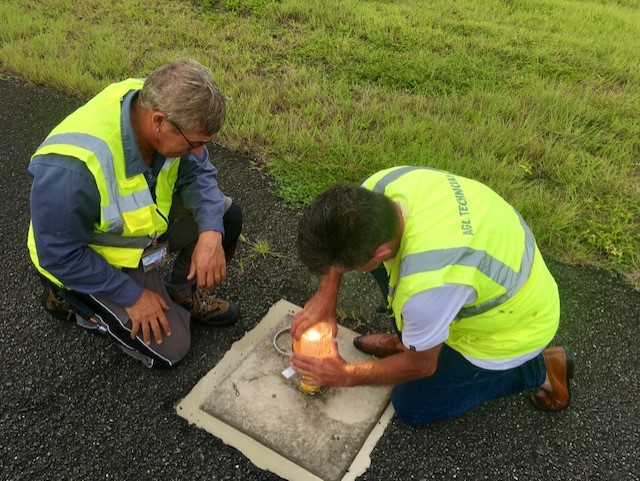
x=246, y=402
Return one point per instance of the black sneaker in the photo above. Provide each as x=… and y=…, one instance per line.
x=209, y=310
x=56, y=307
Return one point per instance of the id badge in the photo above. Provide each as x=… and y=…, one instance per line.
x=155, y=256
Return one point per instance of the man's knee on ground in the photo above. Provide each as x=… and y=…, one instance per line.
x=175, y=351
x=407, y=413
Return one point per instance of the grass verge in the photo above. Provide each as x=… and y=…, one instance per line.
x=538, y=99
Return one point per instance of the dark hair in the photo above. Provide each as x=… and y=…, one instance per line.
x=343, y=227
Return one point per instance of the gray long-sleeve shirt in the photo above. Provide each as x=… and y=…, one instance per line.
x=65, y=207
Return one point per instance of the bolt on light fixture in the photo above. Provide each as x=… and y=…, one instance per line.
x=315, y=341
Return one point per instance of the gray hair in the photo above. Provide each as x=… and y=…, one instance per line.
x=185, y=92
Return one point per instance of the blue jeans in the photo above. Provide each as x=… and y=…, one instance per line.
x=457, y=386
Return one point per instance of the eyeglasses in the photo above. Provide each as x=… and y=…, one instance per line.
x=192, y=145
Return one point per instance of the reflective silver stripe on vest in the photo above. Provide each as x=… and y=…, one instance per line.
x=117, y=204
x=395, y=174
x=512, y=283
x=493, y=268
x=107, y=239
x=168, y=162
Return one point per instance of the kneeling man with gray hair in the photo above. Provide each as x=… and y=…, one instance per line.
x=120, y=184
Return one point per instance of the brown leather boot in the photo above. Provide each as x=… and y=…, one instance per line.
x=380, y=345
x=54, y=305
x=209, y=310
x=559, y=362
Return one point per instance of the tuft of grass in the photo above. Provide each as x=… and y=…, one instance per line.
x=539, y=100
x=351, y=320
x=258, y=250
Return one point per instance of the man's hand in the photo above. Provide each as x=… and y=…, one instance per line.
x=327, y=371
x=321, y=307
x=399, y=368
x=315, y=310
x=148, y=314
x=208, y=264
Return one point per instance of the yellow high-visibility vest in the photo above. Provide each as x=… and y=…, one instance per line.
x=128, y=215
x=459, y=231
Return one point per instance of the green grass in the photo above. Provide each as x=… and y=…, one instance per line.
x=540, y=99
x=259, y=249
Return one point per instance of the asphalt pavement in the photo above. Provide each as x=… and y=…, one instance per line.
x=74, y=407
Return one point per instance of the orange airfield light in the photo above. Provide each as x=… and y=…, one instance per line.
x=315, y=341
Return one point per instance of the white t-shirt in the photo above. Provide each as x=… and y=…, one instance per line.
x=428, y=314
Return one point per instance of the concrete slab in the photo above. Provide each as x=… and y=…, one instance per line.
x=246, y=402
